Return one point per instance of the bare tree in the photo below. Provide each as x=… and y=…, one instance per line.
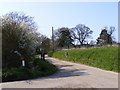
x=81, y=33
x=111, y=30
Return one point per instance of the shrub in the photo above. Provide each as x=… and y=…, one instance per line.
x=42, y=68
x=16, y=74
x=17, y=36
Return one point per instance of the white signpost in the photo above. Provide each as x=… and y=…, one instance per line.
x=23, y=61
x=22, y=58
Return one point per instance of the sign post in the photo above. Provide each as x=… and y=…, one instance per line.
x=22, y=58
x=23, y=61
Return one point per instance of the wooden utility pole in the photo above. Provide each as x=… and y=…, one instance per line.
x=52, y=39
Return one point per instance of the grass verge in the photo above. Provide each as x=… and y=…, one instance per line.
x=103, y=57
x=41, y=68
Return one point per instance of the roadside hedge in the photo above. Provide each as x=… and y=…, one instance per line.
x=41, y=68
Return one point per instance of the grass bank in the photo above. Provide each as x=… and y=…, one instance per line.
x=103, y=57
x=41, y=68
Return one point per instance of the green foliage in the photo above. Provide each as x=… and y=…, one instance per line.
x=17, y=74
x=44, y=67
x=18, y=34
x=45, y=44
x=105, y=38
x=104, y=57
x=51, y=53
x=41, y=68
x=64, y=38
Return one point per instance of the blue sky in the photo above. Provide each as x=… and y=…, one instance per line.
x=95, y=15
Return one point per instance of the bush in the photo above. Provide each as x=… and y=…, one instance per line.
x=41, y=68
x=17, y=36
x=50, y=53
x=17, y=74
x=44, y=66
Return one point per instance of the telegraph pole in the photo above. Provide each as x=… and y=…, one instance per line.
x=52, y=39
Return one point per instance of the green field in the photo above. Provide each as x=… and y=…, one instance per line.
x=102, y=57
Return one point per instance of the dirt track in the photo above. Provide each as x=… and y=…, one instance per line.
x=70, y=75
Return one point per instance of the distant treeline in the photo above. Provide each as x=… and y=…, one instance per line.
x=78, y=36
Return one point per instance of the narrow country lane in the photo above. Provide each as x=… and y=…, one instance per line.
x=70, y=75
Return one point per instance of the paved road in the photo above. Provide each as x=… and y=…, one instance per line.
x=70, y=75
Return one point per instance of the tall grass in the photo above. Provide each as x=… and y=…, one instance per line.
x=103, y=57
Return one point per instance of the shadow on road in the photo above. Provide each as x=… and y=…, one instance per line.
x=68, y=73
x=64, y=66
x=65, y=71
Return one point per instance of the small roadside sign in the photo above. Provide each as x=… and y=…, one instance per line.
x=23, y=61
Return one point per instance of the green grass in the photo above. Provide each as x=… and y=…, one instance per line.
x=103, y=57
x=41, y=68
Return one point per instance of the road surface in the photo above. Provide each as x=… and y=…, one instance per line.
x=70, y=75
